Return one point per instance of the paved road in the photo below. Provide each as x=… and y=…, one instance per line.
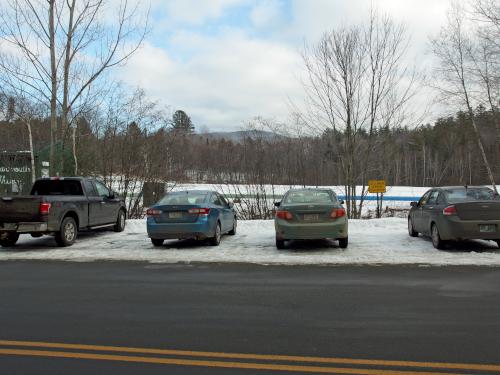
x=423, y=314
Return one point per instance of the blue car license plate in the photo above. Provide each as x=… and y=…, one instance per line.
x=487, y=228
x=175, y=215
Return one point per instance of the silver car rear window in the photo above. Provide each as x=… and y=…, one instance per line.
x=309, y=197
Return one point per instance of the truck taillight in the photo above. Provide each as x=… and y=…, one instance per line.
x=153, y=212
x=199, y=211
x=337, y=212
x=450, y=210
x=44, y=208
x=285, y=215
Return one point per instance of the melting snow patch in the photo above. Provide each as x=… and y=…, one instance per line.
x=377, y=241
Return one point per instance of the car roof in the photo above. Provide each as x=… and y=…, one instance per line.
x=193, y=191
x=462, y=187
x=309, y=189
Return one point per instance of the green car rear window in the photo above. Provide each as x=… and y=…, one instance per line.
x=307, y=196
x=470, y=195
x=184, y=198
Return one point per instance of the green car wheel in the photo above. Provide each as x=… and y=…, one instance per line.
x=343, y=242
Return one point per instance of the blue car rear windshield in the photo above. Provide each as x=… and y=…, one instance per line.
x=470, y=195
x=309, y=196
x=183, y=197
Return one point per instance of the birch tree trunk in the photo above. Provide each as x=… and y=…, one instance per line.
x=53, y=95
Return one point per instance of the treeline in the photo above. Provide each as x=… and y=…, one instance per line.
x=443, y=153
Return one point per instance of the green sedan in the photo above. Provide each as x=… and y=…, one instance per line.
x=310, y=214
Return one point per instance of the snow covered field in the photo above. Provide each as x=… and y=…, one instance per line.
x=382, y=241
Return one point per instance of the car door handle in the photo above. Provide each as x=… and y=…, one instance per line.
x=102, y=202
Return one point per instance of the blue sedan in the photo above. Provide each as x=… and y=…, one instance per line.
x=198, y=214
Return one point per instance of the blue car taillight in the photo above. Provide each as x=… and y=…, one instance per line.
x=153, y=212
x=199, y=211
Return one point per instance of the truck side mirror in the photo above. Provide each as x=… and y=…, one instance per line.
x=112, y=195
x=277, y=204
x=414, y=204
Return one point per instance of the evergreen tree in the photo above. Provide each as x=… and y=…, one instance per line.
x=181, y=122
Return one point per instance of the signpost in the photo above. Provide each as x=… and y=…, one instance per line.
x=378, y=187
x=15, y=172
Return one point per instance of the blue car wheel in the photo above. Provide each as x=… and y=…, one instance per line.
x=215, y=240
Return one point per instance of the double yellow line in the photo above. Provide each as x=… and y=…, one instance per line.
x=238, y=360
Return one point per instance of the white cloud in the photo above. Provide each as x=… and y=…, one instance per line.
x=234, y=74
x=193, y=12
x=227, y=79
x=266, y=13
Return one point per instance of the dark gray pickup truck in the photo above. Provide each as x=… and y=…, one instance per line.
x=61, y=206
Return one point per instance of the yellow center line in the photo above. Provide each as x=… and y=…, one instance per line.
x=266, y=357
x=220, y=364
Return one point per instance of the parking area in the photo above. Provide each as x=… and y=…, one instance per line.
x=382, y=241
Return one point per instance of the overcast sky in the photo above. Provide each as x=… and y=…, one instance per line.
x=227, y=61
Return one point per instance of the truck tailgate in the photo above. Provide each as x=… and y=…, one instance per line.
x=19, y=209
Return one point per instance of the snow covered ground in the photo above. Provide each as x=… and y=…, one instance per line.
x=382, y=241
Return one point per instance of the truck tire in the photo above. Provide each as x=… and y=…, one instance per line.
x=120, y=221
x=9, y=239
x=67, y=235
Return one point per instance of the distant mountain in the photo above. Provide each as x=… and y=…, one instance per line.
x=238, y=136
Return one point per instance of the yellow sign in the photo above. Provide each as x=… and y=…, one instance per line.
x=376, y=186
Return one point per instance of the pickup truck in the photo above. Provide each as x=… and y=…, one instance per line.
x=61, y=206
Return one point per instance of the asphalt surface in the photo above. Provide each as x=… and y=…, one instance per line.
x=431, y=314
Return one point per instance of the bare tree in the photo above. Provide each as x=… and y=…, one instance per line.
x=485, y=53
x=357, y=82
x=453, y=48
x=65, y=48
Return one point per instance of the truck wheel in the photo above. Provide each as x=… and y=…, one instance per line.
x=343, y=242
x=8, y=239
x=215, y=240
x=120, y=221
x=67, y=235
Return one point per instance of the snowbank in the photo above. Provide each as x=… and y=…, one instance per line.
x=382, y=241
